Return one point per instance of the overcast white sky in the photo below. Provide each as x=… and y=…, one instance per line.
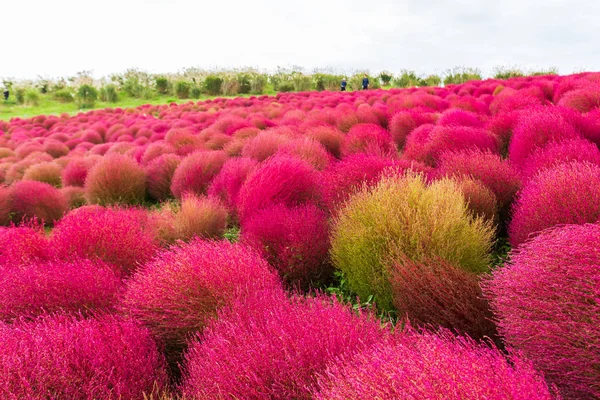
x=60, y=37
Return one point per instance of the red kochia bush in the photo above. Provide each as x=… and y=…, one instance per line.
x=75, y=173
x=264, y=145
x=329, y=136
x=179, y=292
x=32, y=199
x=431, y=366
x=226, y=185
x=117, y=236
x=66, y=358
x=537, y=129
x=196, y=171
x=547, y=300
x=481, y=201
x=566, y=194
x=279, y=180
x=294, y=240
x=460, y=117
x=22, y=245
x=584, y=100
x=308, y=150
x=498, y=175
x=557, y=153
x=370, y=139
x=116, y=179
x=69, y=286
x=435, y=292
x=269, y=347
x=404, y=122
x=159, y=175
x=5, y=205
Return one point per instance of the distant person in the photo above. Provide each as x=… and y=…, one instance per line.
x=344, y=83
x=6, y=94
x=365, y=83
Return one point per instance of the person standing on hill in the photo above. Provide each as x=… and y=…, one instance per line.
x=365, y=82
x=6, y=94
x=344, y=83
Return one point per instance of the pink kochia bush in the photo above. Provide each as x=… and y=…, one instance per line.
x=271, y=347
x=565, y=194
x=179, y=292
x=159, y=174
x=116, y=179
x=23, y=245
x=369, y=139
x=196, y=171
x=78, y=286
x=32, y=199
x=75, y=173
x=404, y=122
x=226, y=185
x=64, y=357
x=431, y=366
x=200, y=216
x=279, y=180
x=294, y=240
x=547, y=300
x=117, y=236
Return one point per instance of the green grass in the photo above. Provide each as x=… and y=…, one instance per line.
x=49, y=106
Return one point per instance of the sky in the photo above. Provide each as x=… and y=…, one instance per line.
x=61, y=37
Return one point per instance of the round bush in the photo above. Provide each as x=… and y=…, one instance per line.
x=5, y=205
x=78, y=286
x=47, y=172
x=200, y=216
x=196, y=171
x=481, y=201
x=329, y=136
x=565, y=194
x=269, y=347
x=181, y=290
x=460, y=117
x=75, y=173
x=279, y=180
x=264, y=145
x=159, y=176
x=432, y=366
x=116, y=179
x=402, y=216
x=584, y=100
x=226, y=185
x=547, y=300
x=294, y=240
x=369, y=139
x=32, y=199
x=63, y=357
x=120, y=237
x=308, y=150
x=23, y=245
x=404, y=122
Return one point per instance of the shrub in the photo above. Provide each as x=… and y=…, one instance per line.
x=47, y=172
x=75, y=173
x=109, y=93
x=70, y=358
x=566, y=194
x=264, y=145
x=195, y=92
x=182, y=89
x=64, y=96
x=402, y=216
x=460, y=117
x=329, y=136
x=404, y=122
x=74, y=195
x=200, y=216
x=181, y=290
x=432, y=366
x=583, y=100
x=196, y=171
x=116, y=179
x=5, y=205
x=155, y=150
x=184, y=141
x=294, y=240
x=162, y=84
x=496, y=174
x=547, y=303
x=226, y=185
x=23, y=245
x=557, y=153
x=537, y=129
x=87, y=96
x=460, y=75
x=116, y=236
x=159, y=175
x=212, y=84
x=80, y=286
x=369, y=139
x=31, y=199
x=32, y=98
x=279, y=180
x=308, y=150
x=481, y=201
x=435, y=293
x=295, y=340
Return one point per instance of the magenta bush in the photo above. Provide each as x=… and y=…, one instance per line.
x=116, y=179
x=159, y=175
x=32, y=199
x=404, y=122
x=75, y=173
x=264, y=145
x=226, y=185
x=63, y=357
x=547, y=300
x=23, y=245
x=121, y=237
x=369, y=139
x=565, y=194
x=308, y=150
x=585, y=99
x=456, y=116
x=279, y=180
x=78, y=286
x=181, y=290
x=196, y=171
x=293, y=240
x=269, y=347
x=329, y=136
x=5, y=205
x=431, y=366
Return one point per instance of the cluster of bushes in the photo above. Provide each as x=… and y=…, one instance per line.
x=152, y=251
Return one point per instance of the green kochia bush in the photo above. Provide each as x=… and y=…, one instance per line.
x=212, y=84
x=404, y=217
x=87, y=96
x=182, y=89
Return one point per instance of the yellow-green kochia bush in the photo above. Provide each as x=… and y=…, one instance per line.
x=404, y=216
